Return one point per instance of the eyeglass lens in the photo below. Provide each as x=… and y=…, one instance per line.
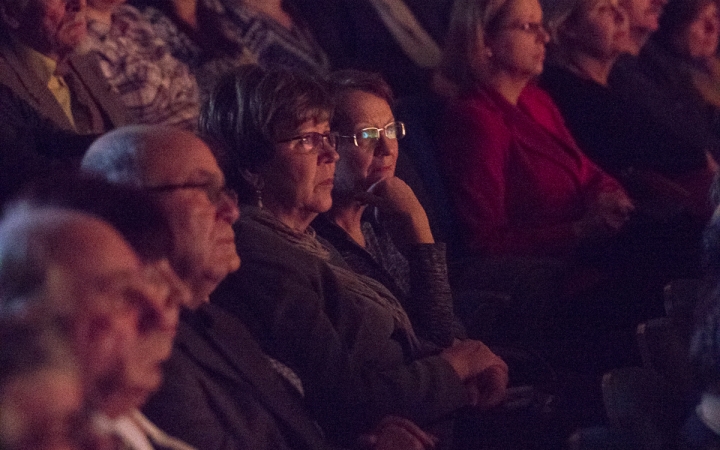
x=392, y=130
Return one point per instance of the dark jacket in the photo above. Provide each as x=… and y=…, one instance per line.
x=220, y=391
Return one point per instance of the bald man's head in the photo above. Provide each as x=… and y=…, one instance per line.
x=180, y=170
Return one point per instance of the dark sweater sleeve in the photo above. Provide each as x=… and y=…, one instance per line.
x=432, y=302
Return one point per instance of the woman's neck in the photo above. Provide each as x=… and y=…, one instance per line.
x=592, y=68
x=295, y=218
x=349, y=217
x=508, y=86
x=273, y=9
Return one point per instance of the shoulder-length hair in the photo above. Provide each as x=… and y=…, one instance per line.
x=471, y=21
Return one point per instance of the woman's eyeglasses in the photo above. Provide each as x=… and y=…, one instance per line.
x=312, y=142
x=368, y=137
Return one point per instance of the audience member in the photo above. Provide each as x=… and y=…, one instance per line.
x=201, y=34
x=118, y=313
x=39, y=64
x=701, y=430
x=658, y=92
x=277, y=36
x=220, y=389
x=401, y=39
x=40, y=390
x=376, y=221
x=521, y=184
x=48, y=92
x=662, y=241
x=587, y=38
x=345, y=335
x=644, y=17
x=689, y=30
x=138, y=64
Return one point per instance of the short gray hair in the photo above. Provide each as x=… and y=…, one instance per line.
x=117, y=156
x=31, y=242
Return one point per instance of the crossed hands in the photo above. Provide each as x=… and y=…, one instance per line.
x=484, y=373
x=608, y=212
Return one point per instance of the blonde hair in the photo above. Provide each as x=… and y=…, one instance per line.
x=470, y=21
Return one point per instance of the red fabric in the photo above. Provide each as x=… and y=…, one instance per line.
x=517, y=177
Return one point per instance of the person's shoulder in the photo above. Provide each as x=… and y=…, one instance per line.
x=533, y=93
x=478, y=97
x=257, y=243
x=479, y=106
x=537, y=101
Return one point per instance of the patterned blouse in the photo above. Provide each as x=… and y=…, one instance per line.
x=207, y=68
x=275, y=45
x=138, y=64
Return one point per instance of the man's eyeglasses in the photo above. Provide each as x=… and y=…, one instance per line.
x=368, y=137
x=214, y=192
x=313, y=141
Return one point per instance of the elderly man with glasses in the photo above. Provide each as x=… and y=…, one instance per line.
x=220, y=389
x=63, y=268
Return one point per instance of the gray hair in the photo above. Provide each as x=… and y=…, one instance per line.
x=117, y=156
x=32, y=241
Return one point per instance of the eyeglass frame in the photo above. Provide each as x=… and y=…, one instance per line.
x=383, y=129
x=535, y=28
x=315, y=148
x=213, y=192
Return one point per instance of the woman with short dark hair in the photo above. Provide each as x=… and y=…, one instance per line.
x=346, y=336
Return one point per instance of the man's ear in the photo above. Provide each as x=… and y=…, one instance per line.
x=253, y=178
x=9, y=17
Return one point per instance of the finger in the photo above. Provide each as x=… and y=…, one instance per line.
x=410, y=427
x=492, y=387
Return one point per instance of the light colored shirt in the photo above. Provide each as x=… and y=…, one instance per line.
x=137, y=432
x=45, y=68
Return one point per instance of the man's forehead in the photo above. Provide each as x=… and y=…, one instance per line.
x=182, y=158
x=95, y=247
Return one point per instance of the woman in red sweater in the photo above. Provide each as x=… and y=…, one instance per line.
x=520, y=183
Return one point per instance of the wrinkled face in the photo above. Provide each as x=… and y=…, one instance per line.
x=700, y=39
x=200, y=212
x=40, y=411
x=120, y=307
x=52, y=27
x=600, y=29
x=518, y=46
x=643, y=16
x=158, y=314
x=299, y=179
x=361, y=166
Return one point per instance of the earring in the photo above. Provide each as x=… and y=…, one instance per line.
x=258, y=193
